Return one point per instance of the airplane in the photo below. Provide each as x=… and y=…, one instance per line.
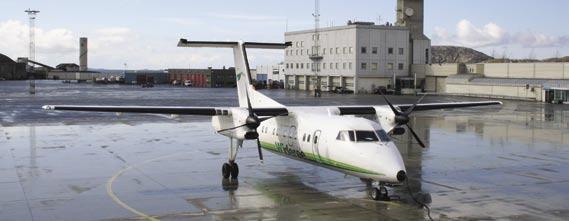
x=332, y=137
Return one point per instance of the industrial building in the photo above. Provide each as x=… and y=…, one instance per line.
x=11, y=70
x=360, y=56
x=146, y=76
x=209, y=77
x=270, y=75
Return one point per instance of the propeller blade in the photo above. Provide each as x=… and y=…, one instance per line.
x=231, y=128
x=249, y=107
x=389, y=103
x=416, y=137
x=260, y=151
x=408, y=111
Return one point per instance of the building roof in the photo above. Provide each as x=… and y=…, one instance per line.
x=351, y=26
x=5, y=59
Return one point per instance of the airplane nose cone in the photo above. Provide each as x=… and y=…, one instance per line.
x=401, y=176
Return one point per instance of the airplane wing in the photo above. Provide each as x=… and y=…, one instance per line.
x=203, y=111
x=361, y=110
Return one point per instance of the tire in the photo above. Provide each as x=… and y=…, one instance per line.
x=234, y=170
x=226, y=170
x=374, y=194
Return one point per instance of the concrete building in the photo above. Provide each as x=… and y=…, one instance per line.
x=360, y=56
x=11, y=70
x=83, y=54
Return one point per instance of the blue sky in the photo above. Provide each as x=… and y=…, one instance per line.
x=143, y=33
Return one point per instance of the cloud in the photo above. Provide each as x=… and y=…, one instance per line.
x=14, y=40
x=247, y=17
x=469, y=35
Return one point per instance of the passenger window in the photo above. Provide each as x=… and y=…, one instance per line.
x=304, y=137
x=308, y=138
x=315, y=139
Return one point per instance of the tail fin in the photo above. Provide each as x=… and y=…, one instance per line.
x=242, y=71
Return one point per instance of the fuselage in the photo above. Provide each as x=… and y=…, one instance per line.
x=351, y=145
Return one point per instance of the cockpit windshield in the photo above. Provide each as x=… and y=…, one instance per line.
x=363, y=136
x=366, y=136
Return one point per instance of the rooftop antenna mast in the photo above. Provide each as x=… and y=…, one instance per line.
x=32, y=50
x=315, y=55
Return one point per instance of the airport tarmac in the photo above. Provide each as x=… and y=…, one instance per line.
x=486, y=163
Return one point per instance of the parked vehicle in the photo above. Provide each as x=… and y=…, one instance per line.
x=342, y=90
x=176, y=82
x=147, y=85
x=187, y=83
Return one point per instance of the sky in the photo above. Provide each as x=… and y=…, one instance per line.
x=142, y=34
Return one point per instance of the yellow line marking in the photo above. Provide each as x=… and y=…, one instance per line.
x=118, y=174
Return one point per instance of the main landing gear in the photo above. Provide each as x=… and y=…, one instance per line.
x=379, y=194
x=230, y=170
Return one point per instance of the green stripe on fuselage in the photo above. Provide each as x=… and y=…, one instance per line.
x=315, y=158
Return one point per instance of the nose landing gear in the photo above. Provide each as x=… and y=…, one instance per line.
x=379, y=194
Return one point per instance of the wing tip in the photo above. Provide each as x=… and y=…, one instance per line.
x=48, y=107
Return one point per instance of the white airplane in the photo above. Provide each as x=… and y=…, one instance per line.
x=327, y=136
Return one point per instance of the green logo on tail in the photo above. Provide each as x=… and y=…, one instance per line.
x=239, y=76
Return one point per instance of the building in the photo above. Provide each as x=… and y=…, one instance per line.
x=360, y=56
x=270, y=73
x=146, y=76
x=11, y=70
x=204, y=77
x=67, y=67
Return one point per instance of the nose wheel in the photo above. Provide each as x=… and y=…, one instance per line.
x=379, y=194
x=230, y=170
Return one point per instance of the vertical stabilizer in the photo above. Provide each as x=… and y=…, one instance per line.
x=242, y=72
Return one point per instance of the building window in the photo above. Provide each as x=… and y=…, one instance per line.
x=390, y=50
x=297, y=44
x=350, y=65
x=301, y=66
x=337, y=66
x=287, y=65
x=324, y=51
x=296, y=51
x=400, y=66
x=364, y=50
x=344, y=50
x=363, y=66
x=331, y=65
x=389, y=66
x=344, y=65
x=401, y=51
x=307, y=64
x=374, y=50
x=350, y=50
x=374, y=66
x=301, y=52
x=297, y=65
x=302, y=44
x=331, y=51
x=323, y=65
x=337, y=50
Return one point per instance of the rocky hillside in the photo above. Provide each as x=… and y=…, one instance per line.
x=454, y=54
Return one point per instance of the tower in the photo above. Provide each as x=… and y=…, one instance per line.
x=32, y=45
x=83, y=54
x=410, y=14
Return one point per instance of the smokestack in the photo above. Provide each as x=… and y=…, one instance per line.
x=83, y=54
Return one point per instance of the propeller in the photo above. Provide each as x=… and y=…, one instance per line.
x=402, y=117
x=252, y=122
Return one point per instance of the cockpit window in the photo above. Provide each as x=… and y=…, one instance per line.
x=346, y=135
x=383, y=135
x=366, y=136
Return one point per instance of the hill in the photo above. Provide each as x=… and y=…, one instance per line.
x=455, y=54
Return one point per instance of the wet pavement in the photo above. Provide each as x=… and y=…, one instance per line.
x=509, y=163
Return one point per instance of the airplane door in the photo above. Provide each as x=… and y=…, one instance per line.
x=315, y=142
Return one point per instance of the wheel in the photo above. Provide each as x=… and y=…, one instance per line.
x=225, y=170
x=374, y=194
x=234, y=170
